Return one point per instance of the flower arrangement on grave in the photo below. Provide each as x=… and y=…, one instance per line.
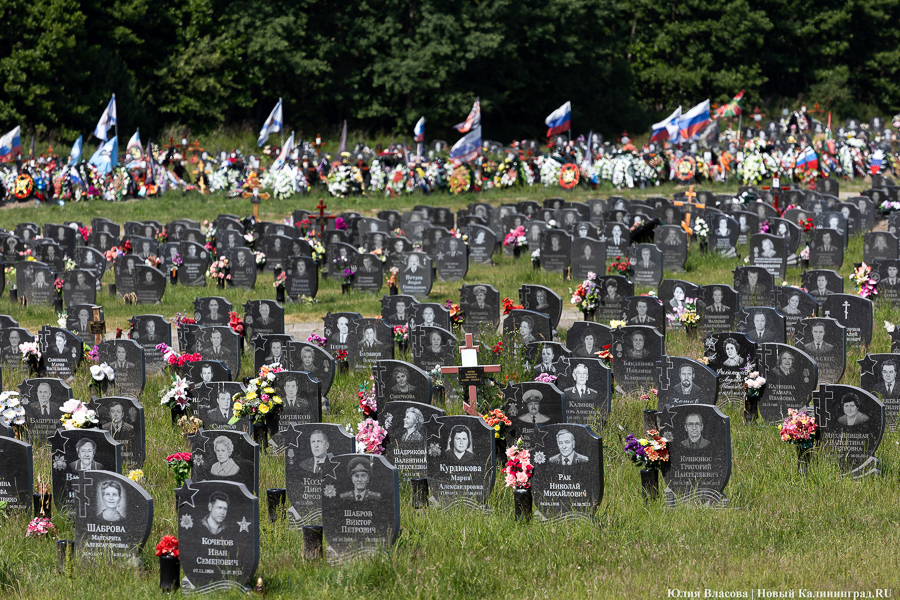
x=58, y=284
x=536, y=255
x=340, y=356
x=370, y=436
x=177, y=261
x=93, y=354
x=76, y=415
x=236, y=322
x=10, y=277
x=618, y=266
x=401, y=333
x=162, y=237
x=518, y=468
x=153, y=261
x=317, y=340
x=260, y=258
x=136, y=475
x=865, y=285
x=437, y=376
x=509, y=305
x=753, y=382
x=650, y=399
x=102, y=375
x=650, y=452
x=392, y=278
x=616, y=323
x=85, y=232
x=180, y=464
x=497, y=421
x=280, y=280
x=804, y=254
x=68, y=264
x=460, y=180
x=366, y=397
x=173, y=358
x=40, y=527
x=586, y=297
x=189, y=424
x=219, y=270
x=12, y=413
x=889, y=327
x=605, y=355
x=546, y=378
x=516, y=237
x=259, y=402
x=177, y=396
x=701, y=229
x=765, y=226
x=167, y=546
x=799, y=429
x=568, y=176
x=498, y=349
x=61, y=319
x=686, y=315
x=808, y=225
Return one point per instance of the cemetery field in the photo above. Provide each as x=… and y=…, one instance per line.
x=782, y=531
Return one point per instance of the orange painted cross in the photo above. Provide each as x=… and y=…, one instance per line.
x=253, y=193
x=690, y=195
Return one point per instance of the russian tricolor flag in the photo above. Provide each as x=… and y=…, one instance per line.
x=876, y=162
x=667, y=129
x=419, y=130
x=11, y=145
x=467, y=148
x=559, y=120
x=807, y=160
x=693, y=121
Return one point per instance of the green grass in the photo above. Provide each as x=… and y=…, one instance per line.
x=782, y=531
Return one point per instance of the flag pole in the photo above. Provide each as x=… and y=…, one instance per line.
x=570, y=123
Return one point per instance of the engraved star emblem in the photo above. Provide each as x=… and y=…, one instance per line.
x=244, y=524
x=440, y=256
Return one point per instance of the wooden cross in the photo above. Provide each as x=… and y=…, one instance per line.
x=471, y=373
x=97, y=326
x=690, y=195
x=323, y=218
x=253, y=193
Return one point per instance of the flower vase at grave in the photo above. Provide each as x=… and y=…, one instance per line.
x=345, y=288
x=517, y=251
x=703, y=247
x=13, y=295
x=804, y=454
x=691, y=333
x=220, y=283
x=804, y=264
x=58, y=304
x=589, y=314
x=169, y=573
x=650, y=420
x=261, y=436
x=751, y=408
x=279, y=294
x=500, y=444
x=650, y=484
x=177, y=413
x=112, y=289
x=394, y=290
x=403, y=345
x=522, y=498
x=276, y=498
x=173, y=277
x=536, y=265
x=438, y=394
x=343, y=366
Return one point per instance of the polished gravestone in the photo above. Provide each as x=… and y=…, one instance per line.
x=645, y=310
x=791, y=376
x=887, y=275
x=825, y=249
x=123, y=418
x=617, y=238
x=761, y=324
x=787, y=231
x=824, y=339
x=225, y=456
x=795, y=304
x=149, y=331
x=143, y=247
x=482, y=244
x=878, y=375
x=34, y=280
x=533, y=232
x=685, y=381
x=532, y=403
x=429, y=314
x=853, y=312
x=78, y=321
x=755, y=286
x=277, y=249
x=220, y=343
x=126, y=357
x=205, y=371
x=42, y=398
x=80, y=287
x=338, y=329
x=61, y=351
x=723, y=235
x=212, y=310
x=149, y=284
x=301, y=402
x=586, y=338
x=699, y=466
x=404, y=446
x=16, y=473
x=304, y=356
x=567, y=480
x=556, y=247
x=218, y=536
x=305, y=459
x=728, y=354
x=821, y=283
x=588, y=256
x=851, y=425
x=75, y=450
x=635, y=350
x=674, y=293
x=461, y=460
x=587, y=383
x=263, y=317
x=368, y=275
x=195, y=261
x=672, y=240
x=242, y=266
x=541, y=299
x=880, y=245
x=113, y=517
x=544, y=356
x=416, y=275
x=396, y=380
x=769, y=252
x=432, y=346
x=396, y=310
x=271, y=349
x=480, y=303
x=372, y=340
x=451, y=257
x=526, y=326
x=646, y=264
x=613, y=291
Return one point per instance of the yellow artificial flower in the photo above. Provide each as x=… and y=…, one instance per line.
x=136, y=475
x=238, y=407
x=276, y=399
x=269, y=390
x=263, y=408
x=251, y=396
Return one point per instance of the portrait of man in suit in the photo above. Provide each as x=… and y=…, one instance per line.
x=890, y=280
x=827, y=245
x=214, y=521
x=412, y=264
x=752, y=286
x=360, y=473
x=85, y=449
x=215, y=350
x=581, y=391
x=532, y=400
x=546, y=364
x=686, y=391
x=644, y=263
x=637, y=350
x=641, y=318
x=12, y=347
x=221, y=413
x=122, y=364
x=567, y=457
x=822, y=287
x=887, y=387
x=343, y=325
x=291, y=400
x=762, y=331
x=480, y=294
x=120, y=430
x=369, y=341
x=45, y=408
x=276, y=353
x=150, y=335
x=318, y=445
x=818, y=346
x=400, y=314
x=693, y=425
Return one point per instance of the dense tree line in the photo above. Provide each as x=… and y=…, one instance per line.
x=381, y=65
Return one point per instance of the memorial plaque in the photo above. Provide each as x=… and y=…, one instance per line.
x=887, y=275
x=685, y=381
x=567, y=481
x=304, y=356
x=791, y=376
x=149, y=331
x=588, y=256
x=761, y=324
x=585, y=339
x=396, y=310
x=372, y=340
x=396, y=380
x=851, y=425
x=218, y=536
x=61, y=351
x=368, y=276
x=271, y=348
x=126, y=357
x=748, y=224
x=672, y=240
x=461, y=460
x=880, y=245
x=728, y=353
x=822, y=283
x=617, y=238
x=645, y=310
x=532, y=403
x=80, y=287
x=205, y=371
x=196, y=261
x=795, y=304
x=482, y=244
x=480, y=303
x=541, y=299
x=263, y=317
x=723, y=235
x=854, y=313
x=556, y=248
x=587, y=383
x=636, y=348
x=613, y=291
x=360, y=505
x=878, y=375
x=277, y=249
x=451, y=257
x=16, y=473
x=755, y=285
x=825, y=250
x=825, y=341
x=337, y=330
x=114, y=517
x=699, y=446
x=34, y=281
x=75, y=450
x=306, y=450
x=719, y=305
x=768, y=251
x=125, y=273
x=787, y=231
x=225, y=456
x=221, y=343
x=429, y=315
x=78, y=321
x=212, y=310
x=404, y=446
x=533, y=233
x=144, y=247
x=214, y=404
x=302, y=278
x=526, y=326
x=432, y=346
x=242, y=266
x=416, y=275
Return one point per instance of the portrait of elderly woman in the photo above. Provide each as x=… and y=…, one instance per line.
x=459, y=445
x=110, y=501
x=410, y=430
x=222, y=463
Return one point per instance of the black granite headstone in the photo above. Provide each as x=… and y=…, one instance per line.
x=61, y=351
x=213, y=403
x=613, y=291
x=567, y=480
x=451, y=257
x=16, y=473
x=541, y=299
x=339, y=330
x=791, y=376
x=461, y=460
x=75, y=450
x=556, y=249
x=532, y=403
x=114, y=516
x=822, y=283
x=80, y=287
x=482, y=244
x=225, y=456
x=587, y=383
x=305, y=458
x=221, y=343
x=149, y=331
x=368, y=275
x=585, y=339
x=645, y=310
x=761, y=324
x=853, y=312
x=824, y=339
x=123, y=418
x=195, y=261
x=480, y=303
x=42, y=398
x=241, y=266
x=416, y=275
x=372, y=340
x=685, y=381
x=526, y=326
x=396, y=380
x=635, y=350
x=205, y=371
x=404, y=445
x=755, y=285
x=728, y=354
x=851, y=425
x=672, y=240
x=78, y=321
x=263, y=317
x=126, y=357
x=878, y=375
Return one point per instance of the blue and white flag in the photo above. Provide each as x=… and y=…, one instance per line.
x=467, y=148
x=75, y=154
x=106, y=157
x=285, y=152
x=272, y=124
x=107, y=120
x=419, y=130
x=11, y=145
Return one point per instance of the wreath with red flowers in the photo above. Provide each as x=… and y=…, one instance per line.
x=24, y=186
x=685, y=169
x=568, y=176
